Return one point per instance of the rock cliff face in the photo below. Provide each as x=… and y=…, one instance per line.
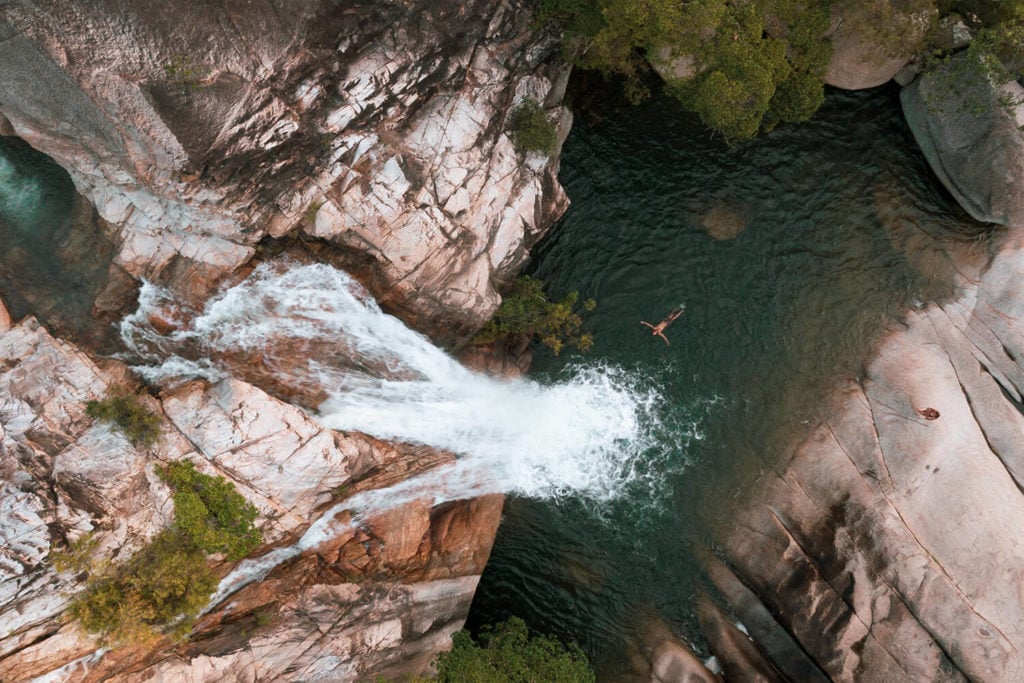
x=380, y=596
x=373, y=132
x=886, y=548
x=197, y=130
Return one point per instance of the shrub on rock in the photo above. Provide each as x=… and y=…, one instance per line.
x=532, y=129
x=127, y=414
x=210, y=512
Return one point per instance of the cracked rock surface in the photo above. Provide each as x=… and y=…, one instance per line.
x=889, y=546
x=376, y=127
x=380, y=596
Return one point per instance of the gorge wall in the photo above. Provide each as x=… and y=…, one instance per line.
x=375, y=134
x=199, y=130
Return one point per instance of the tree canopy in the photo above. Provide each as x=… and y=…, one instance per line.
x=507, y=654
x=748, y=65
x=744, y=67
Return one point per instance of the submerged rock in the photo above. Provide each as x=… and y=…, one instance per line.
x=969, y=130
x=723, y=221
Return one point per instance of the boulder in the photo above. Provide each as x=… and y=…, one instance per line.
x=969, y=131
x=872, y=42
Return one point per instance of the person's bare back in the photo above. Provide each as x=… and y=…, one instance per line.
x=659, y=329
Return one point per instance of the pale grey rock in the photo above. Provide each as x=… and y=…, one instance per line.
x=887, y=546
x=377, y=129
x=907, y=74
x=969, y=130
x=952, y=33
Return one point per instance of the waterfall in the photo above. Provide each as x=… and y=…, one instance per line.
x=581, y=434
x=589, y=433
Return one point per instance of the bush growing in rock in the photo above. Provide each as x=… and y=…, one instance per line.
x=507, y=654
x=210, y=512
x=526, y=310
x=163, y=587
x=532, y=129
x=127, y=415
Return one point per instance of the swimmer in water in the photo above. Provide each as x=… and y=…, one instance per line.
x=659, y=329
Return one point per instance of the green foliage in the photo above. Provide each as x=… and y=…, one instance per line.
x=78, y=556
x=129, y=416
x=526, y=310
x=507, y=654
x=995, y=56
x=210, y=512
x=184, y=71
x=532, y=129
x=755, y=63
x=162, y=587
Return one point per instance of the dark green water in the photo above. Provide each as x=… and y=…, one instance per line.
x=826, y=232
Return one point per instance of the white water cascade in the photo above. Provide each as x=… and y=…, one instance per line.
x=588, y=434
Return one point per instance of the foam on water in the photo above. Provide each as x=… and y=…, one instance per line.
x=592, y=433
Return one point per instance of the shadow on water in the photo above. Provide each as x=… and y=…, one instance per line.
x=57, y=252
x=792, y=254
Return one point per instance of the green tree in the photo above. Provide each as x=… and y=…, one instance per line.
x=754, y=63
x=526, y=310
x=507, y=654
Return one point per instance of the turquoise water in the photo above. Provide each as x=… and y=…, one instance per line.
x=791, y=253
x=54, y=258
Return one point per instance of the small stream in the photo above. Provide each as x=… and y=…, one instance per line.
x=791, y=254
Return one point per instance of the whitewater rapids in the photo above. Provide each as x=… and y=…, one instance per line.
x=584, y=434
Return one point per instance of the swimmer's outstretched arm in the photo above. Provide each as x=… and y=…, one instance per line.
x=644, y=322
